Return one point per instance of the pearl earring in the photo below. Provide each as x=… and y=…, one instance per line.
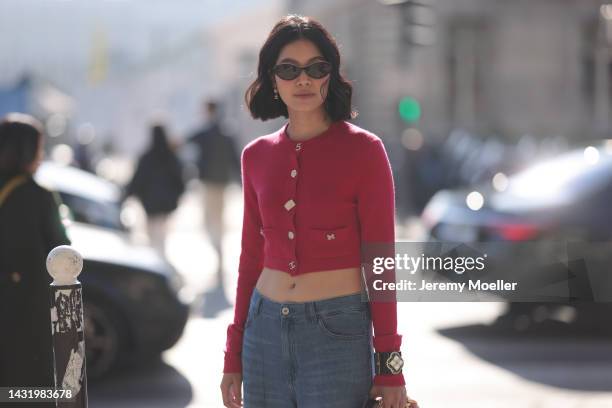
x=275, y=94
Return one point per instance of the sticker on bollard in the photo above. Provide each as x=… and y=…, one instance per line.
x=64, y=265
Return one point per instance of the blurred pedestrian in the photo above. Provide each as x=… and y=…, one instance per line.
x=30, y=227
x=158, y=184
x=82, y=157
x=316, y=192
x=218, y=164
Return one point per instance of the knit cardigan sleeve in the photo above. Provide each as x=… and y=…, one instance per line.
x=376, y=210
x=249, y=269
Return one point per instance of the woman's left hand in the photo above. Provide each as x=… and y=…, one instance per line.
x=392, y=397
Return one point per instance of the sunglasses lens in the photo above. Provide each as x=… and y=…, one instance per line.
x=318, y=69
x=287, y=71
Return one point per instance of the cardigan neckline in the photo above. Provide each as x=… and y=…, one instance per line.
x=284, y=136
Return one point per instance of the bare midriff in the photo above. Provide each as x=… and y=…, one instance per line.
x=282, y=287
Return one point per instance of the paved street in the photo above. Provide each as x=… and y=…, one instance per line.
x=455, y=356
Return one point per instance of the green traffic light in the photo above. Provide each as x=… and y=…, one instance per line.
x=409, y=109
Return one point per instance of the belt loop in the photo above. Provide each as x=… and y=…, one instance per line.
x=313, y=309
x=310, y=312
x=258, y=306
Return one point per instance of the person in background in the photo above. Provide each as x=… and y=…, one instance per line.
x=30, y=227
x=158, y=184
x=218, y=164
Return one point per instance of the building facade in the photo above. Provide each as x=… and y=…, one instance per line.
x=492, y=67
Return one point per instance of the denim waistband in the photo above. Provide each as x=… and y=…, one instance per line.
x=267, y=306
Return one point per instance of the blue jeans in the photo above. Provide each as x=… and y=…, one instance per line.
x=307, y=355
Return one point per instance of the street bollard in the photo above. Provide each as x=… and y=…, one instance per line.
x=64, y=264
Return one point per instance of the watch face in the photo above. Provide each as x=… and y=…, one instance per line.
x=395, y=362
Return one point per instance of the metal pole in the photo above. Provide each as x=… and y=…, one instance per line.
x=65, y=264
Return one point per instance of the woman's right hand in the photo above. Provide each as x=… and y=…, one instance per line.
x=231, y=390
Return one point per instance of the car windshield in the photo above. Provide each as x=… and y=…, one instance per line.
x=91, y=200
x=99, y=213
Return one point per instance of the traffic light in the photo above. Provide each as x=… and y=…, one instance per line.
x=409, y=109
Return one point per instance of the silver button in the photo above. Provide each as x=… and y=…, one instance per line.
x=298, y=147
x=289, y=205
x=291, y=235
x=331, y=236
x=285, y=311
x=292, y=265
x=293, y=173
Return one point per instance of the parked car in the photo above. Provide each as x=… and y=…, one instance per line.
x=133, y=306
x=563, y=199
x=567, y=196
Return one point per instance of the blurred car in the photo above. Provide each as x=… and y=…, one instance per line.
x=563, y=199
x=133, y=306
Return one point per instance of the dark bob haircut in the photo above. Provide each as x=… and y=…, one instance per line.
x=20, y=136
x=259, y=96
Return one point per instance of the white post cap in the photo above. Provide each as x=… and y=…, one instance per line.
x=64, y=264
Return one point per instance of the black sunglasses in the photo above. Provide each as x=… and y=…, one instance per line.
x=316, y=70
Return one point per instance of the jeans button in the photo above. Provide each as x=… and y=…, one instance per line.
x=285, y=311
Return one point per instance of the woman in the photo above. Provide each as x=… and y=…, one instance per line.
x=314, y=191
x=158, y=184
x=30, y=227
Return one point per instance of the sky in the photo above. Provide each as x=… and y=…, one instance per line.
x=55, y=34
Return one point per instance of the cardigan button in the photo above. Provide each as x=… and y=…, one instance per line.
x=293, y=173
x=291, y=234
x=292, y=265
x=298, y=147
x=289, y=205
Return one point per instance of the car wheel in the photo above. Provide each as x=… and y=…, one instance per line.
x=103, y=338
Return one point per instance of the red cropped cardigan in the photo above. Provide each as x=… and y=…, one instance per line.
x=308, y=206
